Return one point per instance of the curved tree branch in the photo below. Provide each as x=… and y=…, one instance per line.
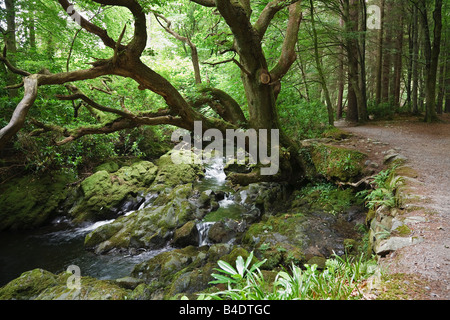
x=288, y=55
x=21, y=111
x=87, y=25
x=269, y=11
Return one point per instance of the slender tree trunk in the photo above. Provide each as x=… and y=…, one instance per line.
x=341, y=77
x=323, y=81
x=354, y=91
x=380, y=55
x=447, y=73
x=304, y=79
x=387, y=46
x=443, y=72
x=432, y=51
x=398, y=65
x=362, y=106
x=415, y=61
x=10, y=42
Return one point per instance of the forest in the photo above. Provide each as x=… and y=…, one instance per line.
x=91, y=93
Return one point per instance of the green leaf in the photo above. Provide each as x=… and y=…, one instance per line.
x=226, y=267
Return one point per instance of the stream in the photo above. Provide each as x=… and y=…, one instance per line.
x=59, y=245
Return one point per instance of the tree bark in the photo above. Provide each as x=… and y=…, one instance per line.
x=354, y=92
x=10, y=43
x=379, y=69
x=323, y=81
x=432, y=51
x=415, y=61
x=387, y=47
x=21, y=111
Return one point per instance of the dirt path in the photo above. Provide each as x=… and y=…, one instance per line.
x=427, y=148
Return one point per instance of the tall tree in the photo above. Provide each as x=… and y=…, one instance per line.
x=432, y=49
x=322, y=78
x=10, y=41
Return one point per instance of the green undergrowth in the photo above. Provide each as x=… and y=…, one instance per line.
x=340, y=280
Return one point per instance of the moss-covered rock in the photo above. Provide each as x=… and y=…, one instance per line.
x=39, y=284
x=337, y=163
x=29, y=285
x=103, y=192
x=286, y=239
x=30, y=201
x=171, y=174
x=150, y=228
x=182, y=271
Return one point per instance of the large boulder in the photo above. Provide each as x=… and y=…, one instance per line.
x=336, y=163
x=30, y=201
x=149, y=228
x=103, y=193
x=39, y=284
x=296, y=238
x=184, y=271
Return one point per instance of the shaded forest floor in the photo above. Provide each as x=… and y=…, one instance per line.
x=423, y=269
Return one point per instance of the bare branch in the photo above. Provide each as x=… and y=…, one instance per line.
x=10, y=66
x=21, y=111
x=78, y=94
x=88, y=26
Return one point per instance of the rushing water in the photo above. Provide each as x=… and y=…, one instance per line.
x=60, y=245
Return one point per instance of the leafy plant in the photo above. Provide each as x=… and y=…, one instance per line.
x=339, y=280
x=384, y=192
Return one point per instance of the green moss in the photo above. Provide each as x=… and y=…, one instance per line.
x=30, y=201
x=325, y=197
x=402, y=231
x=171, y=174
x=29, y=285
x=336, y=163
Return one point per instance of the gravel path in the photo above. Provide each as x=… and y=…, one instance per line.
x=427, y=148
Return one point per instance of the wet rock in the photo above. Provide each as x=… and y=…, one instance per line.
x=150, y=228
x=129, y=282
x=187, y=235
x=318, y=261
x=181, y=271
x=285, y=238
x=221, y=233
x=31, y=201
x=103, y=193
x=39, y=284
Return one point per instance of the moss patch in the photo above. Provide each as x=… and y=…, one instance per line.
x=336, y=163
x=28, y=202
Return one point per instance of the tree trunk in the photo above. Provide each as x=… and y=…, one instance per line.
x=432, y=51
x=323, y=81
x=380, y=55
x=354, y=92
x=398, y=65
x=10, y=42
x=387, y=46
x=341, y=77
x=362, y=105
x=415, y=61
